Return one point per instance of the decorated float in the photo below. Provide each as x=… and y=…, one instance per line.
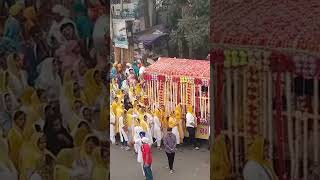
x=172, y=81
x=267, y=68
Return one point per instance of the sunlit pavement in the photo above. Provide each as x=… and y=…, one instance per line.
x=189, y=165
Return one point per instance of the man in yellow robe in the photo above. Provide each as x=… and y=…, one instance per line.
x=163, y=119
x=179, y=119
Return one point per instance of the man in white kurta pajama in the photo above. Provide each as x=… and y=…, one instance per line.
x=112, y=128
x=123, y=135
x=138, y=145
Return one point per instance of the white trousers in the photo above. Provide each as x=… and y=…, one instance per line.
x=158, y=136
x=112, y=134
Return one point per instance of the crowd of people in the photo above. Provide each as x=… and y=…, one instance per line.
x=134, y=122
x=53, y=89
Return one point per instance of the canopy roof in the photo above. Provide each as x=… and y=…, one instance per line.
x=199, y=69
x=150, y=36
x=292, y=25
x=149, y=39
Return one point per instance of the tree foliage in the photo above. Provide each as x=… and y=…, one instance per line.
x=192, y=25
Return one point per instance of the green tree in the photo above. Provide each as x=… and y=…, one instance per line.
x=189, y=24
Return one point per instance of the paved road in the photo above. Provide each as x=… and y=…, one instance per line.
x=189, y=165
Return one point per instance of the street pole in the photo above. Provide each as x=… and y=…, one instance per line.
x=121, y=50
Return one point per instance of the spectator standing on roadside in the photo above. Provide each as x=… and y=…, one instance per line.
x=191, y=127
x=147, y=158
x=170, y=143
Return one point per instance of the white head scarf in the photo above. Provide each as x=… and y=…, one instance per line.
x=61, y=10
x=45, y=70
x=47, y=80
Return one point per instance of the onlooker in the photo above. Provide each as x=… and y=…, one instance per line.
x=147, y=158
x=191, y=127
x=170, y=142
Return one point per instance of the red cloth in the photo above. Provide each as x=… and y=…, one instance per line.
x=146, y=151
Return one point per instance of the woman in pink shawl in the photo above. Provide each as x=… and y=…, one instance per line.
x=132, y=78
x=69, y=52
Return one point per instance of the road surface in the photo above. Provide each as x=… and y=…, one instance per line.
x=189, y=165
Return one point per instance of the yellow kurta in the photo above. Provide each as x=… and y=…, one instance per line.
x=139, y=91
x=172, y=122
x=79, y=134
x=92, y=90
x=129, y=120
x=64, y=164
x=256, y=153
x=163, y=119
x=66, y=157
x=119, y=112
x=31, y=157
x=178, y=113
x=15, y=141
x=68, y=88
x=144, y=125
x=101, y=168
x=221, y=166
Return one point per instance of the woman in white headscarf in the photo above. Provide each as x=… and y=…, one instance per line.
x=17, y=79
x=61, y=16
x=49, y=79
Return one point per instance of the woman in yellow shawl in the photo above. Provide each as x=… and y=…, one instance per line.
x=93, y=88
x=220, y=161
x=101, y=164
x=163, y=120
x=17, y=80
x=26, y=97
x=139, y=91
x=120, y=95
x=16, y=137
x=83, y=164
x=35, y=110
x=76, y=114
x=259, y=166
x=7, y=168
x=114, y=86
x=63, y=165
x=34, y=158
x=38, y=99
x=174, y=125
x=178, y=112
x=71, y=93
x=80, y=132
x=132, y=94
x=67, y=157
